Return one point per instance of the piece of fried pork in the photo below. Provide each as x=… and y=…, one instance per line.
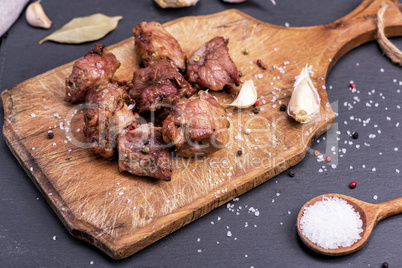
x=158, y=85
x=107, y=113
x=212, y=67
x=153, y=43
x=143, y=153
x=196, y=126
x=98, y=65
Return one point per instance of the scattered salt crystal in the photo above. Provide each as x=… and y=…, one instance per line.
x=33, y=115
x=229, y=234
x=375, y=197
x=331, y=223
x=54, y=238
x=91, y=262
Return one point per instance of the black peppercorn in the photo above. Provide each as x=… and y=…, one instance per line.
x=239, y=153
x=256, y=110
x=385, y=265
x=355, y=135
x=50, y=135
x=292, y=173
x=282, y=108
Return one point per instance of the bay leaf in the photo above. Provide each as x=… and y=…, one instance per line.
x=84, y=29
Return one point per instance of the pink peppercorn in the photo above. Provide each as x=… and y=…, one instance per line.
x=352, y=185
x=132, y=127
x=352, y=85
x=136, y=115
x=328, y=159
x=257, y=103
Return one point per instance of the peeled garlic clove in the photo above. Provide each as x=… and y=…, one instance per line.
x=304, y=103
x=175, y=3
x=35, y=16
x=247, y=95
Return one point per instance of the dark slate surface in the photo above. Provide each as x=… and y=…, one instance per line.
x=31, y=235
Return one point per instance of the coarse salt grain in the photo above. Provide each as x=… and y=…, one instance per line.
x=331, y=223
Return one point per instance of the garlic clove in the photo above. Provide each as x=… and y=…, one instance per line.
x=35, y=16
x=247, y=95
x=175, y=3
x=304, y=103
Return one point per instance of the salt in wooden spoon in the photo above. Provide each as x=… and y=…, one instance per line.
x=370, y=215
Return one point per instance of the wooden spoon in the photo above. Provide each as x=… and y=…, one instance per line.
x=370, y=215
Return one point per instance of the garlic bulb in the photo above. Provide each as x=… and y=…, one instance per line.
x=175, y=3
x=35, y=16
x=247, y=95
x=304, y=103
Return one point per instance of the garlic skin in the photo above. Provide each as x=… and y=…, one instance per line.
x=36, y=17
x=304, y=103
x=247, y=95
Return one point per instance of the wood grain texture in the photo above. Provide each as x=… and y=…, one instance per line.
x=120, y=213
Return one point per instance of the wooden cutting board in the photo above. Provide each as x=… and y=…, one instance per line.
x=120, y=213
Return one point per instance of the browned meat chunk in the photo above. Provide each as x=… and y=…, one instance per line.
x=142, y=152
x=197, y=126
x=97, y=66
x=153, y=43
x=211, y=66
x=158, y=85
x=106, y=115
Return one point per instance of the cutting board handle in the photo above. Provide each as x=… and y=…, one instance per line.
x=360, y=26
